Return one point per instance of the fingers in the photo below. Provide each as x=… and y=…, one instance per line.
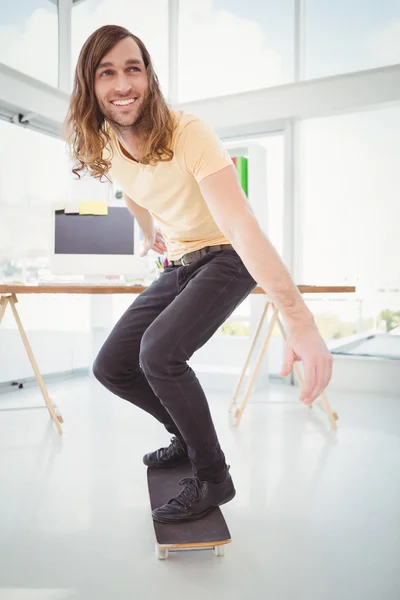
x=310, y=378
x=160, y=241
x=158, y=245
x=287, y=367
x=326, y=375
x=322, y=376
x=159, y=248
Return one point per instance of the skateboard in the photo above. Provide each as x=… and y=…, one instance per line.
x=209, y=532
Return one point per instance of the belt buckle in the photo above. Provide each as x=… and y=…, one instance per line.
x=183, y=260
x=190, y=257
x=193, y=256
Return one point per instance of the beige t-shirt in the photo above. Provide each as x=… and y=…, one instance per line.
x=170, y=190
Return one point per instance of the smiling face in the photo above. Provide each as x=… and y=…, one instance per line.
x=121, y=84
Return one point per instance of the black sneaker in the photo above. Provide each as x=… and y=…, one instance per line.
x=175, y=454
x=196, y=500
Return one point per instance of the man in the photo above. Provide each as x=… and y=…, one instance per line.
x=173, y=169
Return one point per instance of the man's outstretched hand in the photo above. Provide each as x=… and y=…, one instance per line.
x=307, y=345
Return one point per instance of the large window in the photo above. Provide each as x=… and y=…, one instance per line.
x=229, y=46
x=29, y=38
x=147, y=19
x=344, y=36
x=351, y=182
x=34, y=173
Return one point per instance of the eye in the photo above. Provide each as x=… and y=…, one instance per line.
x=105, y=72
x=134, y=68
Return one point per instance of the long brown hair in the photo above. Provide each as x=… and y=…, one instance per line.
x=86, y=129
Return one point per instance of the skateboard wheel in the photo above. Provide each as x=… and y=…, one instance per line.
x=219, y=550
x=161, y=553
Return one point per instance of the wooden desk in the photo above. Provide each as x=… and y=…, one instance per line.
x=7, y=289
x=8, y=295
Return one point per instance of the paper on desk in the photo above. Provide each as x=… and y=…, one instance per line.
x=93, y=208
x=72, y=208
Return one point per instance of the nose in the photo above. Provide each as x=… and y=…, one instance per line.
x=122, y=85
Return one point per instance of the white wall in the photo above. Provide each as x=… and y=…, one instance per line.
x=368, y=375
x=55, y=352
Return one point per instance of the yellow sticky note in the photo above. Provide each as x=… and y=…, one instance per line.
x=93, y=208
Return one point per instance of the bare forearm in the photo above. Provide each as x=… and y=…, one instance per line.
x=267, y=268
x=143, y=217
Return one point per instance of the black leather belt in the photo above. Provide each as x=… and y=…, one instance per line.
x=191, y=257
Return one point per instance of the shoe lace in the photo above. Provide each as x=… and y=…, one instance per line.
x=191, y=492
x=175, y=447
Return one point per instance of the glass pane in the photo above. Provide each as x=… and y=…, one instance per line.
x=350, y=192
x=344, y=36
x=230, y=46
x=29, y=38
x=147, y=19
x=34, y=173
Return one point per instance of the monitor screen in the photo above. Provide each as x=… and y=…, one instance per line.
x=95, y=234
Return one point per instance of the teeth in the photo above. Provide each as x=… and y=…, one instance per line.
x=124, y=102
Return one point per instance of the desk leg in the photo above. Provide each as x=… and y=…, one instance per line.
x=56, y=418
x=3, y=306
x=332, y=415
x=239, y=412
x=249, y=355
x=326, y=408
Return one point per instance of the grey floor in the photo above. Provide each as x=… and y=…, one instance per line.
x=316, y=516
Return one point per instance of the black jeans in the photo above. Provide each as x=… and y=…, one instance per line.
x=144, y=359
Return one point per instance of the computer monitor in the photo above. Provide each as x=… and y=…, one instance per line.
x=96, y=245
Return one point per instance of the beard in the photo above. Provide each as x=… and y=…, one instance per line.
x=138, y=121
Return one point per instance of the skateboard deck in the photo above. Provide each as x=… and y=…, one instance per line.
x=209, y=532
